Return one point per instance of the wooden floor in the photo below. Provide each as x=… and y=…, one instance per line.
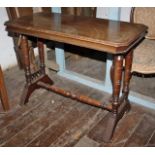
x=52, y=120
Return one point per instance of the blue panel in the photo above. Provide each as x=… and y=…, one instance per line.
x=59, y=50
x=56, y=9
x=60, y=56
x=114, y=14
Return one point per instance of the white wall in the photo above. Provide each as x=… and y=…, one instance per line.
x=7, y=54
x=103, y=12
x=125, y=14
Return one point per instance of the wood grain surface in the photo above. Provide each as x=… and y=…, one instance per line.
x=90, y=32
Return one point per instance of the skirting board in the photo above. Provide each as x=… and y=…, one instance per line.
x=134, y=97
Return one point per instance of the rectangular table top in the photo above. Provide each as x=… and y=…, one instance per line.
x=99, y=34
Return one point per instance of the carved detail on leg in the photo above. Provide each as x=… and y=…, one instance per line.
x=26, y=58
x=31, y=84
x=117, y=77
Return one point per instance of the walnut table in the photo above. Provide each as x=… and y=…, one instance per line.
x=113, y=37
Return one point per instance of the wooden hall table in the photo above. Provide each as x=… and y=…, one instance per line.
x=113, y=37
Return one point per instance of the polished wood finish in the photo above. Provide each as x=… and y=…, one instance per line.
x=41, y=56
x=26, y=58
x=127, y=74
x=116, y=82
x=32, y=79
x=118, y=38
x=3, y=92
x=81, y=98
x=78, y=11
x=80, y=31
x=118, y=67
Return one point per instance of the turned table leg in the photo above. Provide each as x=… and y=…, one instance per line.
x=41, y=56
x=45, y=78
x=32, y=78
x=118, y=69
x=26, y=58
x=127, y=77
x=116, y=81
x=26, y=62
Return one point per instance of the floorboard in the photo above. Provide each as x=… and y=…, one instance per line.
x=142, y=132
x=52, y=120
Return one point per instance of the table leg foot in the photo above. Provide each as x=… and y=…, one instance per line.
x=113, y=119
x=128, y=107
x=125, y=101
x=29, y=89
x=111, y=124
x=116, y=78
